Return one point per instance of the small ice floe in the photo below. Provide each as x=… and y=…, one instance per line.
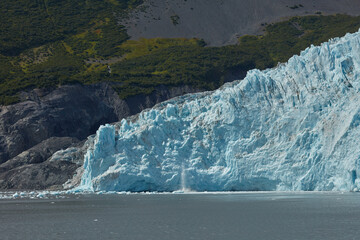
x=16, y=195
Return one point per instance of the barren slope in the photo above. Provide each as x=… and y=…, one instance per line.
x=219, y=22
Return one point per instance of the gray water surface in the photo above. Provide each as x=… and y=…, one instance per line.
x=184, y=216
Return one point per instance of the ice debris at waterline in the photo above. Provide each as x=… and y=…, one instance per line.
x=36, y=194
x=295, y=127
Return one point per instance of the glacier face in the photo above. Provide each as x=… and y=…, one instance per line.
x=294, y=127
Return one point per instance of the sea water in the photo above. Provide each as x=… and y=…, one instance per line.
x=262, y=215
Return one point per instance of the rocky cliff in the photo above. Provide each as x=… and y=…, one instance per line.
x=48, y=121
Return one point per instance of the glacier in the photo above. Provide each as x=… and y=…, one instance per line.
x=291, y=128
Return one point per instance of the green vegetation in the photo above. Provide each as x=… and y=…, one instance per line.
x=134, y=49
x=202, y=67
x=96, y=49
x=45, y=43
x=285, y=39
x=207, y=67
x=175, y=19
x=296, y=6
x=28, y=23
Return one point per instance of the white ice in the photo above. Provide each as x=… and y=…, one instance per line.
x=291, y=128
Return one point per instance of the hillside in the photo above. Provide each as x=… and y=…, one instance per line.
x=102, y=53
x=69, y=66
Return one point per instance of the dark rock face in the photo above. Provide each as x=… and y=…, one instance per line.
x=30, y=170
x=70, y=111
x=39, y=153
x=138, y=103
x=38, y=176
x=48, y=121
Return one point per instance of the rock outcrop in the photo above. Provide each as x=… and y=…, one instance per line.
x=48, y=121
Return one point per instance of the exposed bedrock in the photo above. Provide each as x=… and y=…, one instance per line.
x=50, y=120
x=220, y=22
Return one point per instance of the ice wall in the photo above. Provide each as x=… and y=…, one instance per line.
x=294, y=127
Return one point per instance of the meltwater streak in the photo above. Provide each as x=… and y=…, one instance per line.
x=183, y=178
x=291, y=128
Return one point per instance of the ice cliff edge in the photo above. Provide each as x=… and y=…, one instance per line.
x=294, y=127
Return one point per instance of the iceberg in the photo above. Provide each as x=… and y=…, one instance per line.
x=291, y=128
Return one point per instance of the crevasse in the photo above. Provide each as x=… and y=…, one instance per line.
x=291, y=128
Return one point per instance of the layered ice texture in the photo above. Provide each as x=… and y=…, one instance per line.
x=294, y=127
